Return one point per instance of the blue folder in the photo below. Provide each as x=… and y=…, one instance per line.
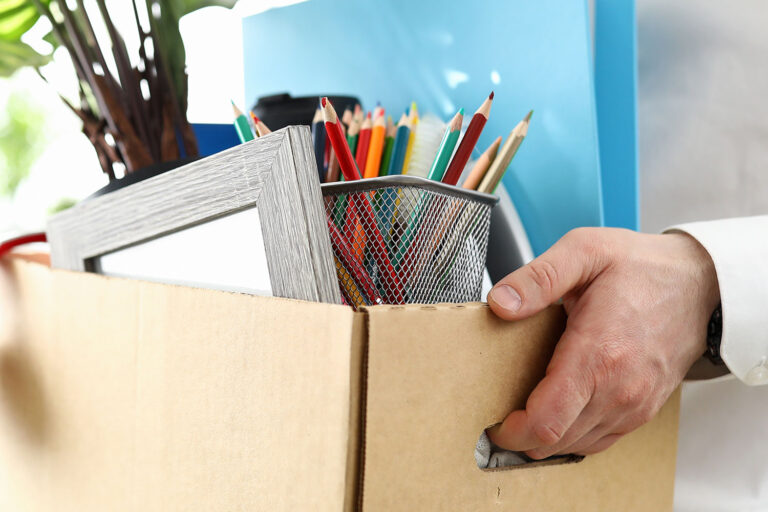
x=446, y=55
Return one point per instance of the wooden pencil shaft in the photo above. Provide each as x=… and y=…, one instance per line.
x=501, y=162
x=481, y=166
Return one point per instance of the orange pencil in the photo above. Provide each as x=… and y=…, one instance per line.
x=363, y=142
x=376, y=147
x=482, y=165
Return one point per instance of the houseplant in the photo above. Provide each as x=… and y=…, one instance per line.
x=133, y=110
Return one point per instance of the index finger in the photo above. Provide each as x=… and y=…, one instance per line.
x=553, y=406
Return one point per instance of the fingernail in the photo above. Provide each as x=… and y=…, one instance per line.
x=506, y=297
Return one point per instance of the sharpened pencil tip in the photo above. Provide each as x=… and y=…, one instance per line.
x=528, y=117
x=461, y=111
x=323, y=100
x=490, y=96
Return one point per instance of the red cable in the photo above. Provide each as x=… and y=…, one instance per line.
x=8, y=245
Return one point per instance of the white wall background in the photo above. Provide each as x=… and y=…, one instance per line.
x=703, y=110
x=703, y=128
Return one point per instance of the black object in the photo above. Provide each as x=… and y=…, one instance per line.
x=714, y=335
x=141, y=175
x=281, y=110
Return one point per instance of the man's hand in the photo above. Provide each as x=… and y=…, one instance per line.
x=638, y=307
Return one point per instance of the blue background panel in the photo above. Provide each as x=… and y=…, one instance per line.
x=446, y=55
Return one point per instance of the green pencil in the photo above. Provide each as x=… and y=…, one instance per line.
x=451, y=136
x=242, y=125
x=389, y=144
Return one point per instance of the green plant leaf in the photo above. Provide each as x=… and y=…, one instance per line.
x=16, y=17
x=15, y=55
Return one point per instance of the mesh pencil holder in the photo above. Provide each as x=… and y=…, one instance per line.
x=407, y=240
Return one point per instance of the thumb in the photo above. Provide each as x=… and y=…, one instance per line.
x=566, y=265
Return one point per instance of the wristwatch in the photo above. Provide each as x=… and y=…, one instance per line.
x=714, y=334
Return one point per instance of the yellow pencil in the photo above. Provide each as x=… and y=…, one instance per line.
x=413, y=118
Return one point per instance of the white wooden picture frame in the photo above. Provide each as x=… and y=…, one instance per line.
x=274, y=174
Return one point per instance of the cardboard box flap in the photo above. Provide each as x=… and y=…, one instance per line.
x=438, y=375
x=157, y=397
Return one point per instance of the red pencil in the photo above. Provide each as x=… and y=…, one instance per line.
x=339, y=142
x=461, y=157
x=364, y=142
x=362, y=205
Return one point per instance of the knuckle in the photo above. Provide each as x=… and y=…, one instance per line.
x=548, y=433
x=629, y=395
x=613, y=358
x=543, y=274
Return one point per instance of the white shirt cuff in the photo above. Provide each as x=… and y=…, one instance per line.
x=739, y=249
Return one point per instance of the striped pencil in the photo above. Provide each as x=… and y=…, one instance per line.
x=376, y=147
x=413, y=121
x=389, y=144
x=363, y=142
x=482, y=165
x=378, y=111
x=440, y=163
x=475, y=128
x=400, y=146
x=261, y=128
x=318, y=139
x=242, y=127
x=507, y=152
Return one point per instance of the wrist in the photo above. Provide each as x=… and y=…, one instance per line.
x=703, y=271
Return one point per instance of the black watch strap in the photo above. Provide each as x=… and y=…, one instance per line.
x=714, y=335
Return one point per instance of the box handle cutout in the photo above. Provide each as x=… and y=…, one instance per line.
x=490, y=457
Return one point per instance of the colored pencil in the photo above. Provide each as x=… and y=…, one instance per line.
x=261, y=128
x=352, y=132
x=482, y=165
x=346, y=117
x=400, y=146
x=334, y=169
x=336, y=134
x=242, y=127
x=413, y=121
x=467, y=144
x=363, y=142
x=378, y=111
x=507, y=152
x=376, y=147
x=318, y=139
x=349, y=289
x=440, y=163
x=362, y=205
x=389, y=143
x=358, y=113
x=345, y=253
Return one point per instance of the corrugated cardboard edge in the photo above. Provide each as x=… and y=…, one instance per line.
x=356, y=412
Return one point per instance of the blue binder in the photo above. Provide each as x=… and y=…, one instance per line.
x=445, y=55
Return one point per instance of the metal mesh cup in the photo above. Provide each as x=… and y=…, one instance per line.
x=407, y=240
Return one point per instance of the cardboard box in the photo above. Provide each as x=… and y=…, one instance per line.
x=121, y=395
